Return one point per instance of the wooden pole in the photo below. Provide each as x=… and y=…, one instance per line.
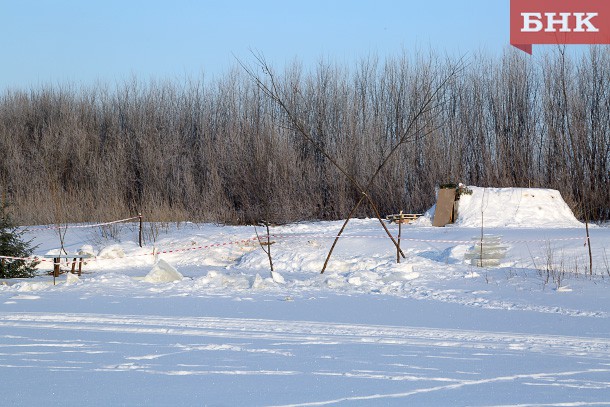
x=589, y=245
x=140, y=233
x=399, y=234
x=268, y=243
x=269, y=248
x=482, y=219
x=481, y=256
x=588, y=242
x=55, y=269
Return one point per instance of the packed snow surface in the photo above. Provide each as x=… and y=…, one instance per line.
x=195, y=317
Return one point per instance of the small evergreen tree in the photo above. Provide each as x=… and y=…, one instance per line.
x=11, y=244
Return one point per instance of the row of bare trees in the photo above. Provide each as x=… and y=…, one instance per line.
x=224, y=151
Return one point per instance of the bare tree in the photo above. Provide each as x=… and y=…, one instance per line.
x=412, y=131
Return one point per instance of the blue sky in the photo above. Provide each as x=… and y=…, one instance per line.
x=81, y=42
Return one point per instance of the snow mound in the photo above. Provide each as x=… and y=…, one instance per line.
x=514, y=207
x=277, y=277
x=163, y=272
x=72, y=279
x=114, y=251
x=87, y=249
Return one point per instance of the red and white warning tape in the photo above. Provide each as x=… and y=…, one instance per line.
x=24, y=258
x=179, y=250
x=186, y=249
x=82, y=226
x=288, y=236
x=304, y=235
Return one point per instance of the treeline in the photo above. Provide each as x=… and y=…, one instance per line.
x=222, y=151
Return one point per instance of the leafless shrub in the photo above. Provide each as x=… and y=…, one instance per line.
x=552, y=270
x=112, y=231
x=556, y=269
x=151, y=231
x=606, y=263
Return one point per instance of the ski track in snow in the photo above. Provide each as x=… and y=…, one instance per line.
x=460, y=385
x=181, y=346
x=310, y=332
x=485, y=303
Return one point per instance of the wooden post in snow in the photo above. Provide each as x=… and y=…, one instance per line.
x=140, y=233
x=398, y=241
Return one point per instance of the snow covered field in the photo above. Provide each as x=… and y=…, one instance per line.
x=433, y=330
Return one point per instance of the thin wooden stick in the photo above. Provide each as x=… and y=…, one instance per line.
x=399, y=235
x=588, y=241
x=332, y=247
x=268, y=249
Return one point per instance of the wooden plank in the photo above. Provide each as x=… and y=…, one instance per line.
x=403, y=217
x=66, y=256
x=444, y=207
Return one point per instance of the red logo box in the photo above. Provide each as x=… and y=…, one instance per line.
x=559, y=22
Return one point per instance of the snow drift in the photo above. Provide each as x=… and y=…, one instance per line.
x=163, y=272
x=512, y=207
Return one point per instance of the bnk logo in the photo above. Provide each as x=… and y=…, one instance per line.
x=559, y=22
x=532, y=22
